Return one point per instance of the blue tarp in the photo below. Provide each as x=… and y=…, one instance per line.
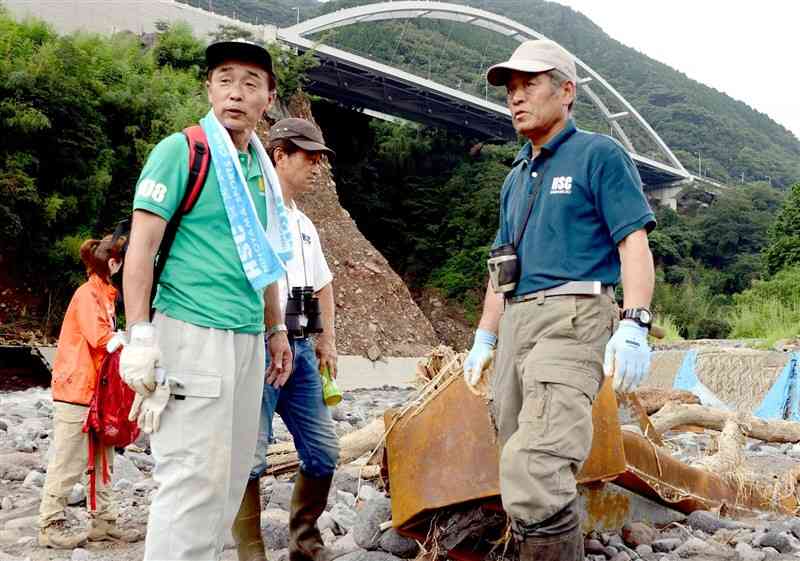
x=686, y=379
x=783, y=398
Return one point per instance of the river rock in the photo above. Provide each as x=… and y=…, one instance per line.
x=33, y=479
x=396, y=544
x=281, y=497
x=775, y=540
x=361, y=555
x=344, y=545
x=124, y=468
x=747, y=553
x=367, y=531
x=275, y=528
x=638, y=533
x=346, y=518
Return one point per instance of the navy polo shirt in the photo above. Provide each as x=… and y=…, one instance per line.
x=590, y=199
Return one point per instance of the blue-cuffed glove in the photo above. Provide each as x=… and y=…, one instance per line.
x=480, y=355
x=627, y=356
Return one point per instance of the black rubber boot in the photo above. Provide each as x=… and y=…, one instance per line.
x=559, y=538
x=564, y=547
x=309, y=499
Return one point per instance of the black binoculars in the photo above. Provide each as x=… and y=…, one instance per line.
x=302, y=313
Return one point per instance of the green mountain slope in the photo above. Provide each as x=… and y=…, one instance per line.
x=733, y=138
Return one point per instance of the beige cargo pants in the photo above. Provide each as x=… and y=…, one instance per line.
x=204, y=447
x=547, y=374
x=68, y=465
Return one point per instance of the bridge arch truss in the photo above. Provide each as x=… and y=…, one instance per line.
x=663, y=170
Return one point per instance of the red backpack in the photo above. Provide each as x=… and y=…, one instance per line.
x=107, y=422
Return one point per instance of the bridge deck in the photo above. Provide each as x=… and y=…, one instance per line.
x=398, y=93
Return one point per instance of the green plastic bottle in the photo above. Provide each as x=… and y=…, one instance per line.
x=330, y=391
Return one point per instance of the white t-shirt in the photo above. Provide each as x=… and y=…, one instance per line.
x=307, y=266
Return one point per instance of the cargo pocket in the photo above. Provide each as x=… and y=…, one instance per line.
x=198, y=384
x=556, y=454
x=533, y=415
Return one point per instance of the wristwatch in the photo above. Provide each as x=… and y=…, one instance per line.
x=277, y=328
x=642, y=316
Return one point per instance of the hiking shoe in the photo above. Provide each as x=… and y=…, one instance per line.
x=58, y=534
x=100, y=530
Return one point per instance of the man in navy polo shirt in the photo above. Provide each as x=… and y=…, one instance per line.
x=573, y=212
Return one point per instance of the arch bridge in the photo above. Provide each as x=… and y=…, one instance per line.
x=360, y=81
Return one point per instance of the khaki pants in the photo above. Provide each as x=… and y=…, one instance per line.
x=548, y=372
x=68, y=464
x=204, y=447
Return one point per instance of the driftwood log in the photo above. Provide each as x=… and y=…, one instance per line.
x=730, y=450
x=283, y=458
x=653, y=399
x=673, y=415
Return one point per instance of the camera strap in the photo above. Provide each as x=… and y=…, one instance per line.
x=537, y=186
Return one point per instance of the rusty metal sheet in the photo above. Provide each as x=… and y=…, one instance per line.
x=446, y=454
x=443, y=454
x=652, y=472
x=606, y=458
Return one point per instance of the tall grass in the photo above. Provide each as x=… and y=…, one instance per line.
x=768, y=318
x=672, y=331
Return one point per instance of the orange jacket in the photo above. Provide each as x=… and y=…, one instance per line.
x=88, y=325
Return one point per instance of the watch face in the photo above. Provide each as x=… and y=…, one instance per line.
x=645, y=316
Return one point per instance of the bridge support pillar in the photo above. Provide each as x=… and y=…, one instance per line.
x=666, y=195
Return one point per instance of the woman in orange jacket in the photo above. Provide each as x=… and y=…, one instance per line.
x=87, y=328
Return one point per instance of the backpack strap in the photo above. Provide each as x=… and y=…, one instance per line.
x=199, y=162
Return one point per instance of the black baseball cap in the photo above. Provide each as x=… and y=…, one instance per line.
x=238, y=49
x=300, y=132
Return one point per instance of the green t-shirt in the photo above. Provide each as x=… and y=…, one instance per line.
x=203, y=282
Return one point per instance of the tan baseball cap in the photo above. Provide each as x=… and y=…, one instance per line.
x=300, y=132
x=539, y=55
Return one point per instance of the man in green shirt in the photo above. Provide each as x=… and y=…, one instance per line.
x=198, y=367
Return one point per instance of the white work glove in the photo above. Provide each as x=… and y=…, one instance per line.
x=118, y=340
x=137, y=362
x=627, y=356
x=147, y=410
x=479, y=356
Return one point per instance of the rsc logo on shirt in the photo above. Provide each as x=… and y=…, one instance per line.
x=561, y=186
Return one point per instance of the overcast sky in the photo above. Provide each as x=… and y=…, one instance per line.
x=749, y=50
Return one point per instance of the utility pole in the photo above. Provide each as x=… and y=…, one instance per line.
x=297, y=9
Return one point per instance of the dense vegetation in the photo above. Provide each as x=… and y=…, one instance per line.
x=80, y=113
